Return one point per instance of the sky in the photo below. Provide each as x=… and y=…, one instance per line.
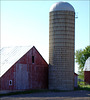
x=26, y=22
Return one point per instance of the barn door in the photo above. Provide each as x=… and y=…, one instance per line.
x=21, y=77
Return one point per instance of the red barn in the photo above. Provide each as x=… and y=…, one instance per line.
x=87, y=71
x=23, y=68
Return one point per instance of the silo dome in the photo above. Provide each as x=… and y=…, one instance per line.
x=62, y=6
x=87, y=65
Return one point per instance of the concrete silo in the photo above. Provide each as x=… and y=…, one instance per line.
x=61, y=46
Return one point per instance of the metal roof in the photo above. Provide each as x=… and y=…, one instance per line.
x=87, y=65
x=62, y=6
x=10, y=55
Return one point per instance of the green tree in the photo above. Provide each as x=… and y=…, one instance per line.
x=81, y=56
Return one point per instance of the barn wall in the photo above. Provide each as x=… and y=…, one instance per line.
x=87, y=77
x=25, y=74
x=9, y=75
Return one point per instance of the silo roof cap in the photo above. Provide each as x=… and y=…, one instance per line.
x=62, y=6
x=87, y=65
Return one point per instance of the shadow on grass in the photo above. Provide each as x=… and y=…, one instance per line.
x=87, y=88
x=22, y=92
x=31, y=91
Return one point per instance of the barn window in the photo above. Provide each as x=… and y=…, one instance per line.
x=32, y=59
x=10, y=82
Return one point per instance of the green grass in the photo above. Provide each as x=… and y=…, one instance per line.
x=83, y=86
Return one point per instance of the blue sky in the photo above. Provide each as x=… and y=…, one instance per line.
x=27, y=23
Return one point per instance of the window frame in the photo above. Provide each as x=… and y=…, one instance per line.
x=10, y=82
x=33, y=59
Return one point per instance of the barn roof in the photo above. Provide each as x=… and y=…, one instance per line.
x=87, y=65
x=10, y=55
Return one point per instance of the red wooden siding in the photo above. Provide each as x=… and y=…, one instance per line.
x=87, y=77
x=25, y=74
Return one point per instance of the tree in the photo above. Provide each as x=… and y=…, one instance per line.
x=81, y=56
